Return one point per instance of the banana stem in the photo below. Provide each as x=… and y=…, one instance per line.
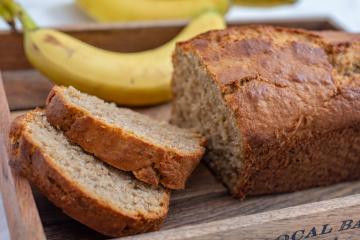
x=17, y=10
x=4, y=13
x=7, y=16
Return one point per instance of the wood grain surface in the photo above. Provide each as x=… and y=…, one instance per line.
x=22, y=215
x=25, y=89
x=332, y=219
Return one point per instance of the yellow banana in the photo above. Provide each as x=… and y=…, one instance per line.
x=132, y=10
x=141, y=78
x=262, y=3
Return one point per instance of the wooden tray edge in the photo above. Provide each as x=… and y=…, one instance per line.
x=330, y=219
x=22, y=216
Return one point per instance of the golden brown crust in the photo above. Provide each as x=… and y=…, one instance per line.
x=29, y=160
x=150, y=163
x=287, y=88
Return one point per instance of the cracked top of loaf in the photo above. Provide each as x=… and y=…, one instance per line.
x=282, y=83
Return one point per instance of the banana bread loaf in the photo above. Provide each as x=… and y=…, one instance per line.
x=280, y=107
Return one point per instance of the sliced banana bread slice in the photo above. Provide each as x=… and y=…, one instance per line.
x=156, y=152
x=104, y=198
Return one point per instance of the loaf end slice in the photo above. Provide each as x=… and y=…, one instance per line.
x=155, y=152
x=106, y=199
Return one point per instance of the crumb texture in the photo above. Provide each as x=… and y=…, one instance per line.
x=109, y=185
x=199, y=106
x=139, y=125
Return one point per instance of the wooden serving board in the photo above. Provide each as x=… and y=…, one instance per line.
x=204, y=210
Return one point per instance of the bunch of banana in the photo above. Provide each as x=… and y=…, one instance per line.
x=137, y=10
x=132, y=79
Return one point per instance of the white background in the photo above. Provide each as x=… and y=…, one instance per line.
x=346, y=13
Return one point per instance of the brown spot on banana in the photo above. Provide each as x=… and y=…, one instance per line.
x=52, y=40
x=35, y=47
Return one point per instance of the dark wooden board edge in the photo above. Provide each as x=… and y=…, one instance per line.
x=21, y=212
x=129, y=37
x=333, y=219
